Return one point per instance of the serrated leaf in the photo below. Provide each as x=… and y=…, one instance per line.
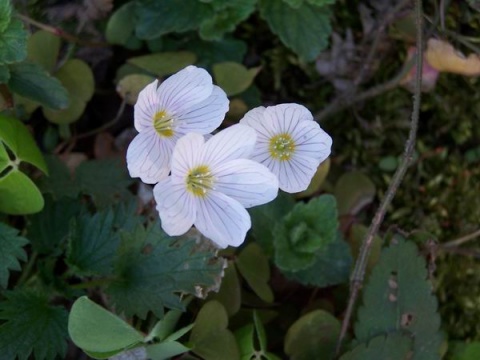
x=354, y=190
x=233, y=78
x=313, y=336
x=164, y=63
x=77, y=78
x=92, y=243
x=5, y=14
x=59, y=182
x=96, y=330
x=105, y=180
x=394, y=346
x=32, y=81
x=30, y=324
x=150, y=270
x=305, y=30
x=43, y=49
x=130, y=86
x=230, y=293
x=255, y=269
x=399, y=290
x=4, y=74
x=166, y=350
x=226, y=18
x=19, y=195
x=19, y=140
x=13, y=43
x=121, y=25
x=156, y=18
x=11, y=252
x=304, y=232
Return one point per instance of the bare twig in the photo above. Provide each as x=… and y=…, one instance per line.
x=360, y=265
x=461, y=240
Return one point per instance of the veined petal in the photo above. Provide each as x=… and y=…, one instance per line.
x=295, y=174
x=184, y=89
x=205, y=116
x=186, y=153
x=246, y=181
x=235, y=142
x=312, y=141
x=176, y=207
x=222, y=219
x=285, y=117
x=148, y=157
x=255, y=118
x=146, y=107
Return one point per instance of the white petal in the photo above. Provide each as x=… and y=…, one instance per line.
x=146, y=107
x=176, y=207
x=184, y=89
x=205, y=116
x=294, y=175
x=222, y=219
x=186, y=153
x=285, y=117
x=312, y=141
x=255, y=118
x=234, y=142
x=148, y=157
x=246, y=181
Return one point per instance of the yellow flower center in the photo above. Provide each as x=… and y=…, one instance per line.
x=282, y=147
x=163, y=124
x=199, y=180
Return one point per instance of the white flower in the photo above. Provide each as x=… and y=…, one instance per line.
x=186, y=102
x=289, y=142
x=212, y=183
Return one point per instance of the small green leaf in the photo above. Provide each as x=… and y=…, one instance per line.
x=464, y=351
x=353, y=191
x=388, y=163
x=130, y=86
x=121, y=25
x=230, y=293
x=5, y=15
x=94, y=329
x=165, y=326
x=244, y=337
x=317, y=180
x=393, y=346
x=13, y=43
x=305, y=30
x=11, y=251
x=32, y=81
x=19, y=140
x=234, y=78
x=313, y=336
x=31, y=323
x=165, y=350
x=4, y=74
x=164, y=63
x=356, y=237
x=260, y=331
x=19, y=195
x=255, y=268
x=43, y=48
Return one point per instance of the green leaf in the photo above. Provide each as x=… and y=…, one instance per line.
x=13, y=43
x=77, y=77
x=92, y=243
x=165, y=326
x=130, y=86
x=156, y=18
x=43, y=49
x=4, y=159
x=353, y=191
x=464, y=351
x=317, y=180
x=226, y=18
x=4, y=74
x=59, y=182
x=5, y=15
x=166, y=350
x=150, y=270
x=394, y=346
x=121, y=25
x=255, y=268
x=244, y=338
x=48, y=229
x=32, y=81
x=356, y=237
x=19, y=195
x=105, y=180
x=230, y=293
x=260, y=331
x=331, y=267
x=32, y=326
x=399, y=290
x=304, y=30
x=11, y=251
x=96, y=330
x=210, y=337
x=304, y=232
x=164, y=63
x=234, y=78
x=212, y=52
x=313, y=336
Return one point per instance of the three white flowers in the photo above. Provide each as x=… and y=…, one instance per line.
x=210, y=183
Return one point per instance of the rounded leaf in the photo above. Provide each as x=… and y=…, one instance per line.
x=131, y=85
x=19, y=195
x=234, y=78
x=164, y=63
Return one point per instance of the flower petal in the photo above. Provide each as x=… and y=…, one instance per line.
x=246, y=181
x=255, y=118
x=205, y=116
x=294, y=175
x=146, y=107
x=285, y=117
x=222, y=219
x=312, y=141
x=184, y=89
x=148, y=157
x=176, y=207
x=186, y=153
x=235, y=142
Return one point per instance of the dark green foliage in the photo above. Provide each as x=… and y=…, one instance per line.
x=394, y=346
x=11, y=251
x=58, y=183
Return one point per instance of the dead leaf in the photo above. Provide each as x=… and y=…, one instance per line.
x=443, y=57
x=429, y=74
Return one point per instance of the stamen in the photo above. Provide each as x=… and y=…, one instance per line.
x=200, y=180
x=163, y=124
x=282, y=147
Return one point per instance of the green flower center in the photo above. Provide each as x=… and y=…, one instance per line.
x=282, y=147
x=163, y=124
x=199, y=180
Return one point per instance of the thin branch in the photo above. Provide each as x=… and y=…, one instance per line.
x=460, y=241
x=360, y=265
